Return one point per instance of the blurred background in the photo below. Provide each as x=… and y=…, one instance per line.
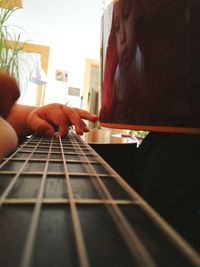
x=61, y=62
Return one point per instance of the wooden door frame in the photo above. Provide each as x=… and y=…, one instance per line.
x=44, y=58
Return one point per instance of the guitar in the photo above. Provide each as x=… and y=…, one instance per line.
x=63, y=205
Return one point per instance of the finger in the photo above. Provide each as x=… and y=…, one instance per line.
x=74, y=118
x=63, y=129
x=85, y=127
x=86, y=115
x=39, y=125
x=56, y=117
x=45, y=129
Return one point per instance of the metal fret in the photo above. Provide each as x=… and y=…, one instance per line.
x=94, y=217
x=58, y=201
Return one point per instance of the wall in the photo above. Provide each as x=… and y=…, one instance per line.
x=70, y=42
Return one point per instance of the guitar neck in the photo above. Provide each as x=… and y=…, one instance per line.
x=63, y=205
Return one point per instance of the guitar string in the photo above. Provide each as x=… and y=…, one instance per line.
x=6, y=160
x=16, y=177
x=27, y=254
x=170, y=233
x=188, y=250
x=81, y=248
x=137, y=249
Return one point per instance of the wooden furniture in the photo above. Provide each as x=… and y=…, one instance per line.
x=107, y=136
x=11, y=3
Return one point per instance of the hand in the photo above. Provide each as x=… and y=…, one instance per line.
x=8, y=138
x=9, y=92
x=44, y=119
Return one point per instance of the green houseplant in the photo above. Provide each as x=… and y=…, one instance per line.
x=11, y=46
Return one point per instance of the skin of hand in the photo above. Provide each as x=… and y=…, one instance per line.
x=45, y=120
x=9, y=93
x=8, y=138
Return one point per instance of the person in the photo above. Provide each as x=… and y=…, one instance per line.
x=168, y=163
x=166, y=167
x=150, y=72
x=127, y=78
x=21, y=120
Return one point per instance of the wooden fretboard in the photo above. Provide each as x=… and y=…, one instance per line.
x=63, y=205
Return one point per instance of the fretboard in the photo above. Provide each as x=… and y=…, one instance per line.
x=63, y=205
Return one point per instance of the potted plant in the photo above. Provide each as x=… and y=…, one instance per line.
x=11, y=46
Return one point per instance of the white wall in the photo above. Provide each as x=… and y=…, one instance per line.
x=72, y=31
